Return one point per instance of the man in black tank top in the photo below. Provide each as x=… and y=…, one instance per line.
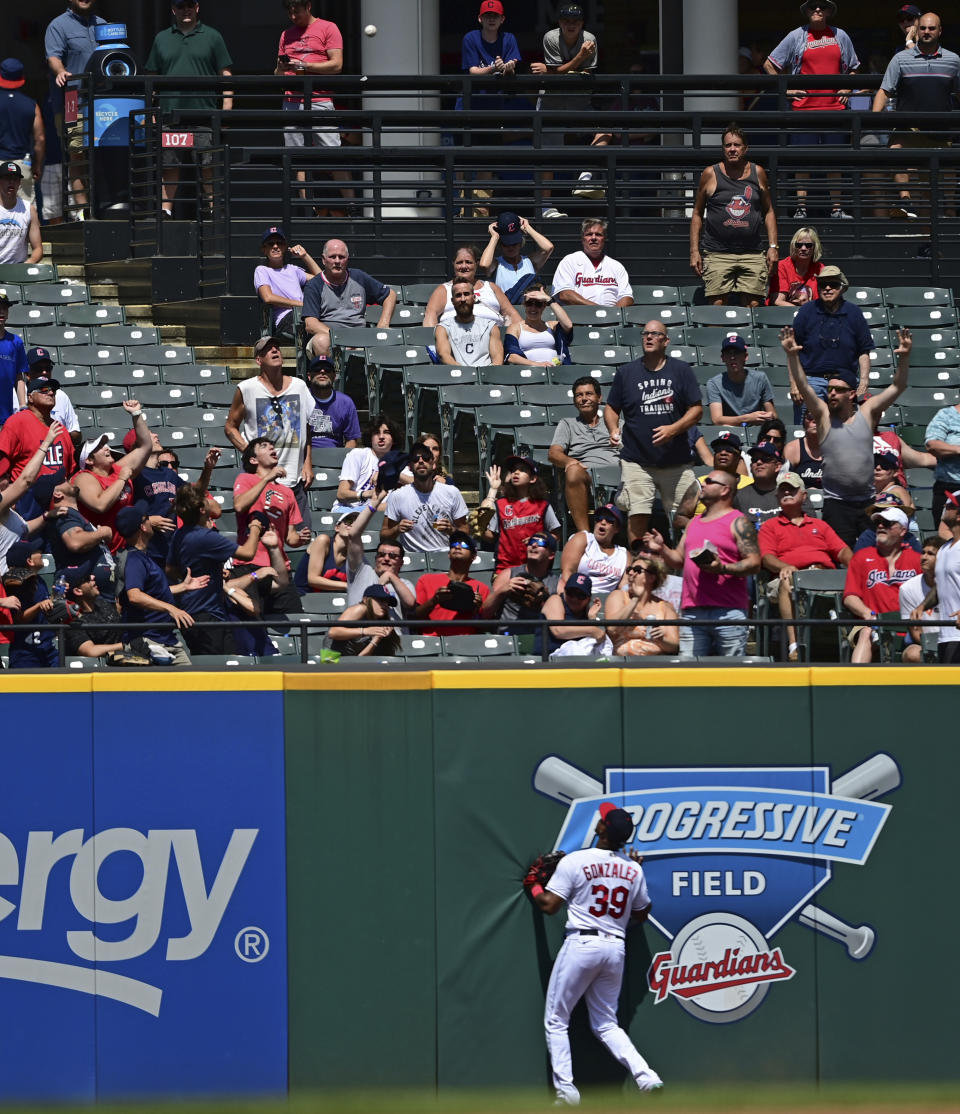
x=735, y=227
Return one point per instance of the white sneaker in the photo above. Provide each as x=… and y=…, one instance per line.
x=552, y=211
x=839, y=214
x=800, y=213
x=901, y=212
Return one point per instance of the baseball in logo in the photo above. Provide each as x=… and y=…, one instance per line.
x=731, y=855
x=739, y=206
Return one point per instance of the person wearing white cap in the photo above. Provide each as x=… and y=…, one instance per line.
x=874, y=577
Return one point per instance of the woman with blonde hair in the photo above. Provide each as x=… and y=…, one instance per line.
x=639, y=601
x=795, y=279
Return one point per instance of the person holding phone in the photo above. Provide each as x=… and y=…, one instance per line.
x=717, y=553
x=279, y=284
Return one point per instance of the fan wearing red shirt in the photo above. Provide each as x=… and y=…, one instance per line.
x=255, y=492
x=447, y=595
x=24, y=432
x=874, y=578
x=818, y=49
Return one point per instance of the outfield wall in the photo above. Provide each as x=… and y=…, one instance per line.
x=240, y=882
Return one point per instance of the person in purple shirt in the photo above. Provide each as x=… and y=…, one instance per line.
x=334, y=421
x=280, y=284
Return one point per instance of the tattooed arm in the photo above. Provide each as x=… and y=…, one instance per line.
x=745, y=534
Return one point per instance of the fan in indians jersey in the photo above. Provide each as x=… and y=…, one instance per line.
x=604, y=891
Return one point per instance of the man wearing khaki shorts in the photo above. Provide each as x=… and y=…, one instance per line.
x=659, y=399
x=731, y=215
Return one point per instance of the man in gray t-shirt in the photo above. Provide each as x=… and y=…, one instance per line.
x=425, y=513
x=467, y=340
x=579, y=444
x=739, y=395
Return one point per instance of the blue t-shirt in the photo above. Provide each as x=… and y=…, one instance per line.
x=203, y=552
x=831, y=341
x=97, y=561
x=143, y=572
x=32, y=649
x=333, y=422
x=740, y=398
x=157, y=488
x=477, y=52
x=13, y=364
x=647, y=399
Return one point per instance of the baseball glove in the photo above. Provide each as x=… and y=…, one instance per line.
x=541, y=870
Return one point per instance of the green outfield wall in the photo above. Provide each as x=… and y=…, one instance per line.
x=312, y=879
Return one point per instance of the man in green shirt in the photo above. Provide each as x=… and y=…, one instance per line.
x=189, y=49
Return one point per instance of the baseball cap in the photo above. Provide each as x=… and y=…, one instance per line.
x=547, y=539
x=910, y=11
x=42, y=383
x=129, y=440
x=6, y=300
x=831, y=272
x=11, y=73
x=39, y=356
x=491, y=6
x=767, y=448
x=321, y=363
x=886, y=460
x=850, y=378
x=805, y=6
x=90, y=447
x=508, y=228
x=885, y=502
x=10, y=168
x=377, y=592
x=463, y=536
x=129, y=518
x=608, y=510
x=271, y=232
x=618, y=821
x=264, y=343
x=727, y=439
x=344, y=515
x=75, y=575
x=20, y=553
x=735, y=341
x=953, y=497
x=522, y=462
x=580, y=582
x=570, y=11
x=790, y=479
x=891, y=515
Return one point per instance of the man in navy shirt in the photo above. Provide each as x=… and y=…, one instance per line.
x=659, y=398
x=833, y=336
x=333, y=422
x=146, y=596
x=156, y=485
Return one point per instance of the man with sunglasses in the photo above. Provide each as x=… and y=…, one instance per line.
x=816, y=49
x=453, y=594
x=846, y=433
x=521, y=591
x=386, y=568
x=276, y=407
x=833, y=335
x=923, y=78
x=24, y=432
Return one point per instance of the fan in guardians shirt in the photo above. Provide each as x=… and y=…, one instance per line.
x=591, y=277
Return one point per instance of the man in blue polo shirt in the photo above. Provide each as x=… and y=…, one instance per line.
x=923, y=78
x=833, y=336
x=69, y=41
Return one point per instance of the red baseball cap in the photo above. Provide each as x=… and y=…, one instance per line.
x=129, y=440
x=491, y=6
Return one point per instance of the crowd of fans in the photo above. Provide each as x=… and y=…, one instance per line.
x=141, y=574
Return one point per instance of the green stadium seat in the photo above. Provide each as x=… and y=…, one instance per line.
x=689, y=353
x=512, y=374
x=459, y=401
x=818, y=593
x=418, y=293
x=710, y=337
x=774, y=317
x=324, y=603
x=212, y=394
x=657, y=294
x=22, y=316
x=218, y=662
x=568, y=373
x=420, y=646
x=612, y=354
x=487, y=645
x=493, y=421
x=391, y=358
x=864, y=296
x=918, y=296
x=597, y=334
x=403, y=316
x=181, y=437
x=123, y=375
x=28, y=272
x=204, y=418
x=195, y=375
x=165, y=395
x=55, y=294
x=419, y=334
x=131, y=336
x=727, y=317
x=55, y=336
x=89, y=315
x=117, y=419
x=948, y=376
x=211, y=434
x=328, y=456
x=923, y=317
x=72, y=375
x=420, y=380
x=673, y=315
x=594, y=315
x=95, y=355
x=547, y=394
x=93, y=397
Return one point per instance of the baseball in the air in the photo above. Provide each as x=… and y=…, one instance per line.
x=370, y=29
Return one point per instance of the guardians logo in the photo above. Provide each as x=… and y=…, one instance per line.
x=731, y=854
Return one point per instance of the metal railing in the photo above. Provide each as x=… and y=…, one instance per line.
x=304, y=625
x=404, y=160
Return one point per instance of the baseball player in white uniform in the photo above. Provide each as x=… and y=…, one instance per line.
x=604, y=891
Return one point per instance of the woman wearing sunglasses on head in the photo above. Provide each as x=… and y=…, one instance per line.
x=533, y=341
x=639, y=601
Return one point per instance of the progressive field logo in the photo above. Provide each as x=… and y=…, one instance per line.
x=731, y=854
x=166, y=866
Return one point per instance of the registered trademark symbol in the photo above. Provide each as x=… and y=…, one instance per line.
x=251, y=944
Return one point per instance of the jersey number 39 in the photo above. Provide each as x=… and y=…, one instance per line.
x=609, y=902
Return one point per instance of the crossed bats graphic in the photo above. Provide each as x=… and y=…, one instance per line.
x=873, y=778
